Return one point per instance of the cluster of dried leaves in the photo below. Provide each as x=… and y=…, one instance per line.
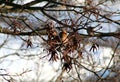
x=62, y=44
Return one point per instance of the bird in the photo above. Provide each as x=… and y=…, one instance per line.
x=64, y=36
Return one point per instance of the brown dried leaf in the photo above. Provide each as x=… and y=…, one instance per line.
x=94, y=47
x=54, y=56
x=67, y=66
x=29, y=43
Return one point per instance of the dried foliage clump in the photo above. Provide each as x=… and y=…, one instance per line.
x=62, y=43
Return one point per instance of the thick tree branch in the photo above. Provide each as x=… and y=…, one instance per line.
x=32, y=33
x=42, y=31
x=33, y=3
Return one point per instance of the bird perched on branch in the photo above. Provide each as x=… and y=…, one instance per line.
x=64, y=36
